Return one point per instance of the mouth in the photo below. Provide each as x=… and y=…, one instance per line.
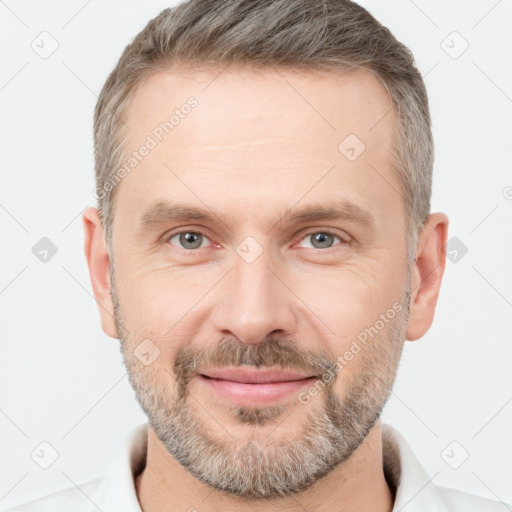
x=254, y=387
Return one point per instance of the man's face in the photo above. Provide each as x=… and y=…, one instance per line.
x=254, y=284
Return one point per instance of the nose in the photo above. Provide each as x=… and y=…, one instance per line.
x=254, y=303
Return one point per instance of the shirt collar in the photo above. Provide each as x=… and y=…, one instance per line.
x=117, y=490
x=413, y=488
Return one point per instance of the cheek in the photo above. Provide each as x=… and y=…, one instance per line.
x=155, y=297
x=354, y=311
x=349, y=300
x=163, y=313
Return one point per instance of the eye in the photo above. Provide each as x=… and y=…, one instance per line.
x=189, y=240
x=321, y=240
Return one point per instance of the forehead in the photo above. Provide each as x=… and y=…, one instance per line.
x=262, y=135
x=272, y=99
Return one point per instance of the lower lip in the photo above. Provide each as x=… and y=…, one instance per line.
x=255, y=394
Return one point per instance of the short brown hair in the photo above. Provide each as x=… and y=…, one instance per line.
x=325, y=35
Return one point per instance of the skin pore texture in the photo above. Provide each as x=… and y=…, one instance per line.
x=254, y=287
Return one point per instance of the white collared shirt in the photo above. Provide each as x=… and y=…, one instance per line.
x=115, y=491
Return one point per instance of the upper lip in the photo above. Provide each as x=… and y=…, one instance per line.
x=253, y=376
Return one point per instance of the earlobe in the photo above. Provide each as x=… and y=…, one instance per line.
x=427, y=274
x=98, y=262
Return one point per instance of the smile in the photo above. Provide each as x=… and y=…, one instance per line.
x=254, y=387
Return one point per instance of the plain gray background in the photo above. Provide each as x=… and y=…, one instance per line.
x=62, y=379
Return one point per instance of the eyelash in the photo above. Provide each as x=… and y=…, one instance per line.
x=325, y=232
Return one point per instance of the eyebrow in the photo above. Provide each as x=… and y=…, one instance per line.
x=163, y=211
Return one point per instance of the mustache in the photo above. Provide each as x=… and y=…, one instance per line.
x=271, y=353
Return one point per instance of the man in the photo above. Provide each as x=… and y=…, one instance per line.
x=263, y=247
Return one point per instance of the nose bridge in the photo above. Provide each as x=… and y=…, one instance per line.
x=253, y=302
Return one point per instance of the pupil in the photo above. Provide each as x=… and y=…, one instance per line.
x=190, y=240
x=322, y=239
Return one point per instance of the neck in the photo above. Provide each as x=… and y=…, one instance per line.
x=356, y=484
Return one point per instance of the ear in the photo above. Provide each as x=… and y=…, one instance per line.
x=98, y=262
x=427, y=274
